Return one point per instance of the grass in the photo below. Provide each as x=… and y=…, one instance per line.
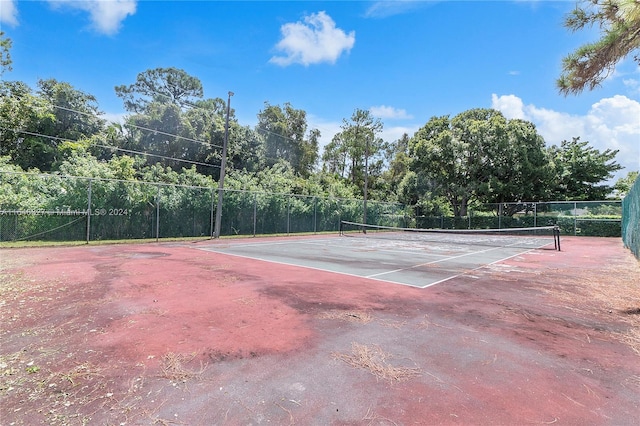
x=22, y=244
x=613, y=292
x=173, y=367
x=376, y=361
x=351, y=316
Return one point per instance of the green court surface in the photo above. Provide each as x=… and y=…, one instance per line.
x=411, y=262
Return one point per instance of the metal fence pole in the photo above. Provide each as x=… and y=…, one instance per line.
x=575, y=218
x=255, y=212
x=158, y=215
x=211, y=219
x=89, y=212
x=315, y=215
x=288, y=214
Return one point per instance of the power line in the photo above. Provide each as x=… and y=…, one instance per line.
x=142, y=128
x=136, y=126
x=257, y=128
x=198, y=163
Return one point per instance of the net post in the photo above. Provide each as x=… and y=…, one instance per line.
x=556, y=237
x=340, y=230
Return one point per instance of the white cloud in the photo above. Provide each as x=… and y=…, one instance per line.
x=384, y=111
x=313, y=41
x=392, y=134
x=8, y=13
x=611, y=123
x=632, y=84
x=106, y=15
x=511, y=106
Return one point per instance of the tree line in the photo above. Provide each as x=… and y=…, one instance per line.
x=171, y=133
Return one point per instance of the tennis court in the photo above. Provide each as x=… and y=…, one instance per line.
x=316, y=330
x=394, y=255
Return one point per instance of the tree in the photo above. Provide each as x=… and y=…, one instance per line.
x=172, y=122
x=284, y=130
x=35, y=126
x=5, y=54
x=398, y=160
x=580, y=171
x=355, y=147
x=521, y=167
x=624, y=184
x=19, y=191
x=161, y=85
x=480, y=155
x=246, y=149
x=22, y=115
x=76, y=112
x=334, y=156
x=589, y=65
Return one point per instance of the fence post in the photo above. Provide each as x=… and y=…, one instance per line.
x=89, y=212
x=575, y=218
x=535, y=214
x=211, y=218
x=315, y=215
x=158, y=215
x=288, y=213
x=255, y=212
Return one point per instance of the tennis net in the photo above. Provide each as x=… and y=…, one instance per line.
x=536, y=237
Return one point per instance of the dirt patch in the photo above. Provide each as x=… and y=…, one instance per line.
x=351, y=316
x=165, y=334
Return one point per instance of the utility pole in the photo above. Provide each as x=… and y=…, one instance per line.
x=216, y=233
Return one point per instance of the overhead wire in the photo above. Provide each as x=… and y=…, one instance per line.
x=198, y=163
x=207, y=144
x=257, y=127
x=143, y=128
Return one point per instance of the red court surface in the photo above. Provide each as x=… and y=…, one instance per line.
x=171, y=334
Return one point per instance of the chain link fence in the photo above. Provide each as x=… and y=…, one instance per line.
x=631, y=219
x=586, y=218
x=49, y=207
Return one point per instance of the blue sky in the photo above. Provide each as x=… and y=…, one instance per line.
x=405, y=61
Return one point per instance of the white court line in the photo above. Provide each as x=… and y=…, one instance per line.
x=316, y=243
x=264, y=243
x=451, y=258
x=456, y=257
x=373, y=276
x=309, y=267
x=351, y=246
x=480, y=267
x=432, y=262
